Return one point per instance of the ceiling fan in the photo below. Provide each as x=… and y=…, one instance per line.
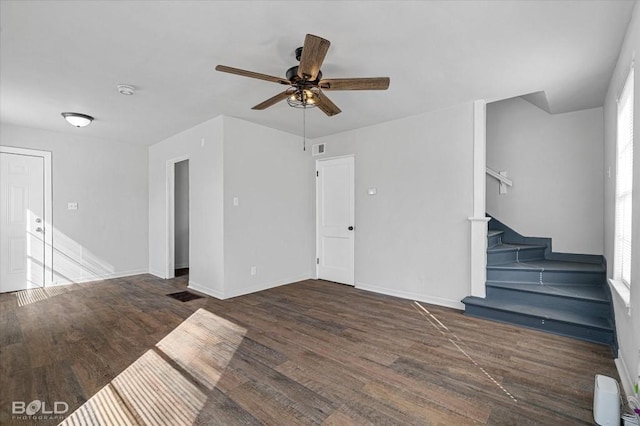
x=305, y=80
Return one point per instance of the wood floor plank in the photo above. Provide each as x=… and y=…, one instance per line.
x=312, y=352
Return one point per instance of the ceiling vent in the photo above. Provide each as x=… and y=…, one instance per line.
x=317, y=149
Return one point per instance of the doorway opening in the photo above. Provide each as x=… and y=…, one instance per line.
x=178, y=213
x=181, y=228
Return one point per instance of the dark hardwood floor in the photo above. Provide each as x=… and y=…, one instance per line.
x=122, y=352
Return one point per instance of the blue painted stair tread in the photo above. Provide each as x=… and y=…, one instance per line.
x=510, y=247
x=553, y=265
x=531, y=286
x=505, y=253
x=594, y=293
x=549, y=272
x=546, y=313
x=562, y=265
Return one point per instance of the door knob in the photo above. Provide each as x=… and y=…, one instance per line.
x=350, y=228
x=38, y=229
x=38, y=220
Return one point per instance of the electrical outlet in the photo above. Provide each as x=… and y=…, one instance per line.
x=254, y=270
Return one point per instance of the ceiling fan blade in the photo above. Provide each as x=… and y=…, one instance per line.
x=273, y=100
x=372, y=83
x=313, y=52
x=252, y=74
x=328, y=107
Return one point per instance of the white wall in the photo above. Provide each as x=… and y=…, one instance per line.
x=107, y=236
x=272, y=227
x=203, y=145
x=555, y=162
x=413, y=238
x=181, y=214
x=627, y=321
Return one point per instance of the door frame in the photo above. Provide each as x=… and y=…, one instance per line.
x=170, y=248
x=48, y=205
x=353, y=255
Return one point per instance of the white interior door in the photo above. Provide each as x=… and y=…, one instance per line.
x=22, y=222
x=335, y=217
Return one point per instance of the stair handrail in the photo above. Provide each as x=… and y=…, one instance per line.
x=503, y=179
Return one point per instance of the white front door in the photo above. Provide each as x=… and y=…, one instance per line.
x=22, y=222
x=335, y=215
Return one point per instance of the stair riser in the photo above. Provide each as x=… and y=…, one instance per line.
x=562, y=304
x=494, y=240
x=556, y=277
x=550, y=326
x=496, y=258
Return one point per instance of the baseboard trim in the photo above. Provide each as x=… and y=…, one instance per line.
x=159, y=274
x=181, y=266
x=455, y=304
x=204, y=290
x=98, y=278
x=625, y=377
x=264, y=286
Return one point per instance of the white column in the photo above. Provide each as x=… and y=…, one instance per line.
x=478, y=220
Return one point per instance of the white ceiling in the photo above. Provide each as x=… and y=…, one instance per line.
x=60, y=56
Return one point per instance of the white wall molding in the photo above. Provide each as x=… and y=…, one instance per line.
x=455, y=304
x=263, y=286
x=625, y=376
x=622, y=291
x=204, y=290
x=479, y=221
x=99, y=279
x=157, y=273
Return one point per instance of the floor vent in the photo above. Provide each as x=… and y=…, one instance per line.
x=184, y=296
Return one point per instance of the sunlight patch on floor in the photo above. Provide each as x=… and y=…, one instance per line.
x=105, y=407
x=203, y=345
x=152, y=391
x=33, y=295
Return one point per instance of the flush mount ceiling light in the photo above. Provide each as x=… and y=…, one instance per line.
x=76, y=119
x=126, y=89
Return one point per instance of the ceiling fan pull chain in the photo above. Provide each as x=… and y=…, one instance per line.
x=304, y=128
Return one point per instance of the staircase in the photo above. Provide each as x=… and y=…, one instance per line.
x=530, y=286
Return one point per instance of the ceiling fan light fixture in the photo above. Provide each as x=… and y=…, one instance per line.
x=77, y=119
x=304, y=98
x=306, y=82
